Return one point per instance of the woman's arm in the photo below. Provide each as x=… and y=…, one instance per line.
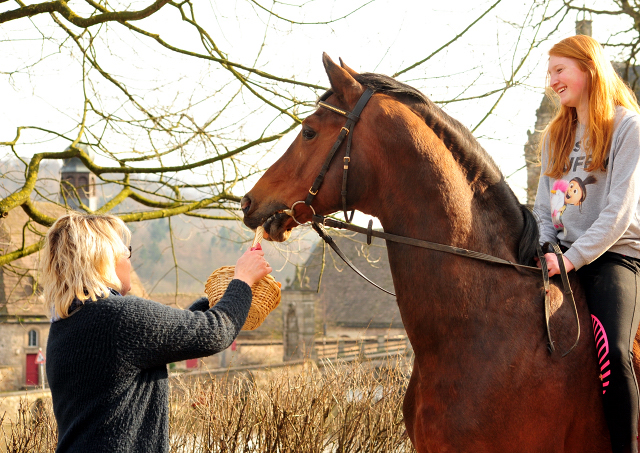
x=150, y=334
x=250, y=268
x=622, y=200
x=201, y=304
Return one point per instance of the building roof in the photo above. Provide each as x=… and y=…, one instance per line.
x=345, y=299
x=74, y=164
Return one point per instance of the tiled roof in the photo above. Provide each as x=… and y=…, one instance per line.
x=345, y=299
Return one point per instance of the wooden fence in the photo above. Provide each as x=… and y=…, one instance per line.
x=336, y=348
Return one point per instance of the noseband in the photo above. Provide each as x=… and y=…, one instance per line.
x=319, y=221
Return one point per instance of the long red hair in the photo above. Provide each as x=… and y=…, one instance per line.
x=606, y=91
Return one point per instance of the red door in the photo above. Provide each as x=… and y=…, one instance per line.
x=192, y=363
x=32, y=370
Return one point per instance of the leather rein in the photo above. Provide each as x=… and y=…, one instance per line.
x=318, y=223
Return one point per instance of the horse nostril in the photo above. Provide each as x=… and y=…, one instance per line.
x=245, y=204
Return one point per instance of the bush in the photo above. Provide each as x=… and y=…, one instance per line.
x=333, y=408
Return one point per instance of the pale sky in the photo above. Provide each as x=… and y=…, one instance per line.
x=383, y=36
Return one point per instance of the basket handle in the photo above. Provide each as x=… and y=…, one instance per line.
x=259, y=236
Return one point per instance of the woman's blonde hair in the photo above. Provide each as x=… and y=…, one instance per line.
x=606, y=91
x=79, y=259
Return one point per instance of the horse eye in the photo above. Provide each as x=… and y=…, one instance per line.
x=308, y=134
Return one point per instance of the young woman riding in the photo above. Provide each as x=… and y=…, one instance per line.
x=594, y=139
x=107, y=352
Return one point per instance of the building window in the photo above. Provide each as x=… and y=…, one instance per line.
x=33, y=338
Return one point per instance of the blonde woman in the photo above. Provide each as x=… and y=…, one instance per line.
x=107, y=352
x=595, y=139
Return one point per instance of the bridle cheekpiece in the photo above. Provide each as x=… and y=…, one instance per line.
x=352, y=119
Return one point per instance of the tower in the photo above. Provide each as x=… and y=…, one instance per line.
x=75, y=175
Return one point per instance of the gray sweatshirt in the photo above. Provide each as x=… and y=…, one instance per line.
x=591, y=213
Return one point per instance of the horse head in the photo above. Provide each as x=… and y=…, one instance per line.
x=419, y=171
x=289, y=179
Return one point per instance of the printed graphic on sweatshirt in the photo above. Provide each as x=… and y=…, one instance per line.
x=577, y=160
x=564, y=193
x=572, y=192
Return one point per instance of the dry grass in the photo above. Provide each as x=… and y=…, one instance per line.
x=350, y=408
x=33, y=430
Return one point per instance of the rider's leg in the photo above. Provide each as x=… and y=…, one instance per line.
x=611, y=285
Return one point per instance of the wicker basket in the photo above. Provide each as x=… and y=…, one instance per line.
x=266, y=292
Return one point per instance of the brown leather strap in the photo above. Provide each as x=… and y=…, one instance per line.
x=352, y=119
x=333, y=223
x=325, y=167
x=547, y=289
x=318, y=221
x=567, y=289
x=329, y=240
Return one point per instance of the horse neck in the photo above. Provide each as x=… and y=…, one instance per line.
x=431, y=194
x=440, y=204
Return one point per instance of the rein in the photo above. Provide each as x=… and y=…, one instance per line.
x=319, y=221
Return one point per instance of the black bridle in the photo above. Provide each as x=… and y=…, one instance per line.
x=318, y=222
x=352, y=119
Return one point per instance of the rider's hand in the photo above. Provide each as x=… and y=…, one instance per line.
x=553, y=266
x=252, y=266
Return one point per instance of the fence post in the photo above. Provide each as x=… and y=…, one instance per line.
x=381, y=344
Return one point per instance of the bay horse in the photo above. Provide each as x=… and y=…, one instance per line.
x=484, y=379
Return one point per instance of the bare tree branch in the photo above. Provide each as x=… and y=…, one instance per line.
x=447, y=44
x=61, y=7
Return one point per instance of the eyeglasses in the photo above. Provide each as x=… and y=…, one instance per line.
x=129, y=252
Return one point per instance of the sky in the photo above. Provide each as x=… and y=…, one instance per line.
x=383, y=36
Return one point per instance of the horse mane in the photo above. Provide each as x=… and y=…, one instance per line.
x=472, y=157
x=478, y=165
x=529, y=239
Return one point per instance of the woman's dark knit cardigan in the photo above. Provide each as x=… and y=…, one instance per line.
x=107, y=366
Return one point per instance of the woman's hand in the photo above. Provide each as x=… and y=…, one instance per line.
x=553, y=265
x=252, y=266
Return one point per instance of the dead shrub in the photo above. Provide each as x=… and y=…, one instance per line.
x=345, y=408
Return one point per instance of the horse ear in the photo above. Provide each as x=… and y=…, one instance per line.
x=351, y=72
x=342, y=82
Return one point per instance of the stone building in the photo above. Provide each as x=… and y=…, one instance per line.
x=24, y=326
x=298, y=321
x=544, y=114
x=346, y=305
